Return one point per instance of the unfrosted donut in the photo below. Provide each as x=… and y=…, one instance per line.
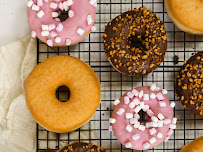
x=45, y=24
x=159, y=116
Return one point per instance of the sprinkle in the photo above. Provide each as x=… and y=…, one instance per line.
x=68, y=42
x=160, y=96
x=152, y=140
x=34, y=34
x=52, y=26
x=50, y=43
x=92, y=2
x=54, y=14
x=162, y=104
x=141, y=94
x=150, y=112
x=167, y=121
x=136, y=136
x=142, y=105
x=40, y=14
x=136, y=116
x=129, y=128
x=45, y=27
x=174, y=120
x=89, y=19
x=160, y=116
x=154, y=119
x=172, y=104
x=146, y=145
x=59, y=28
x=58, y=39
x=135, y=92
x=39, y=2
x=35, y=7
x=160, y=124
x=61, y=6
x=160, y=135
x=152, y=131
x=126, y=100
x=152, y=95
x=112, y=120
x=136, y=101
x=53, y=5
x=110, y=128
x=116, y=102
x=30, y=3
x=45, y=33
x=172, y=126
x=137, y=109
x=132, y=105
x=93, y=28
x=154, y=124
x=80, y=31
x=128, y=145
x=141, y=127
x=133, y=120
x=129, y=115
x=120, y=111
x=164, y=91
x=53, y=34
x=157, y=89
x=71, y=13
x=137, y=124
x=153, y=87
x=146, y=107
x=130, y=94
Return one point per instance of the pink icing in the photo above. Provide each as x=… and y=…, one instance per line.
x=81, y=10
x=125, y=137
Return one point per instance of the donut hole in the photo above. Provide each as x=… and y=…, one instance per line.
x=135, y=42
x=63, y=15
x=63, y=93
x=143, y=117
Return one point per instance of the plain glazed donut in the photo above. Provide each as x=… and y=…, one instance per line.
x=159, y=116
x=194, y=146
x=135, y=42
x=45, y=24
x=41, y=87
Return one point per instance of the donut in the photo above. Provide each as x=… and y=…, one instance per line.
x=189, y=84
x=43, y=19
x=194, y=146
x=40, y=93
x=81, y=147
x=186, y=15
x=135, y=133
x=135, y=42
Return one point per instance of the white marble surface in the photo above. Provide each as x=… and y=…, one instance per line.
x=13, y=17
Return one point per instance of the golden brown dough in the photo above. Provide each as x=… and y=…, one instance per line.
x=194, y=146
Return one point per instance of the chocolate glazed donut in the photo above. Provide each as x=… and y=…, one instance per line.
x=135, y=42
x=189, y=84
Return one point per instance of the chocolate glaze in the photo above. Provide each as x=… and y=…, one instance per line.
x=135, y=42
x=189, y=84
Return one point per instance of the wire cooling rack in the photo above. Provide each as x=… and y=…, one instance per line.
x=114, y=84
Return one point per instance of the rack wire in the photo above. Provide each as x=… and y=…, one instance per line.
x=114, y=84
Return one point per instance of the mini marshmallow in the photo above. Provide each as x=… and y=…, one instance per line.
x=54, y=14
x=170, y=132
x=129, y=128
x=59, y=28
x=148, y=124
x=172, y=104
x=160, y=135
x=166, y=139
x=135, y=92
x=160, y=96
x=65, y=7
x=39, y=2
x=152, y=131
x=57, y=19
x=40, y=14
x=136, y=101
x=116, y=102
x=45, y=0
x=160, y=124
x=141, y=94
x=136, y=116
x=162, y=104
x=133, y=120
x=58, y=39
x=132, y=105
x=154, y=119
x=53, y=34
x=167, y=121
x=153, y=87
x=157, y=89
x=52, y=26
x=146, y=107
x=172, y=126
x=164, y=91
x=142, y=105
x=129, y=115
x=69, y=2
x=93, y=28
x=61, y=6
x=50, y=43
x=68, y=42
x=141, y=127
x=174, y=120
x=30, y=3
x=89, y=19
x=112, y=120
x=154, y=124
x=130, y=94
x=128, y=145
x=35, y=7
x=146, y=145
x=120, y=111
x=53, y=5
x=45, y=33
x=34, y=34
x=152, y=140
x=152, y=95
x=92, y=2
x=146, y=97
x=110, y=128
x=71, y=13
x=95, y=4
x=45, y=27
x=160, y=116
x=80, y=31
x=126, y=100
x=136, y=136
x=136, y=124
x=137, y=109
x=150, y=112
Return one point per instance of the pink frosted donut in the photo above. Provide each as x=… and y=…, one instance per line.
x=159, y=118
x=45, y=24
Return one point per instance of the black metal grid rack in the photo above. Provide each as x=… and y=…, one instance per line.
x=114, y=84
